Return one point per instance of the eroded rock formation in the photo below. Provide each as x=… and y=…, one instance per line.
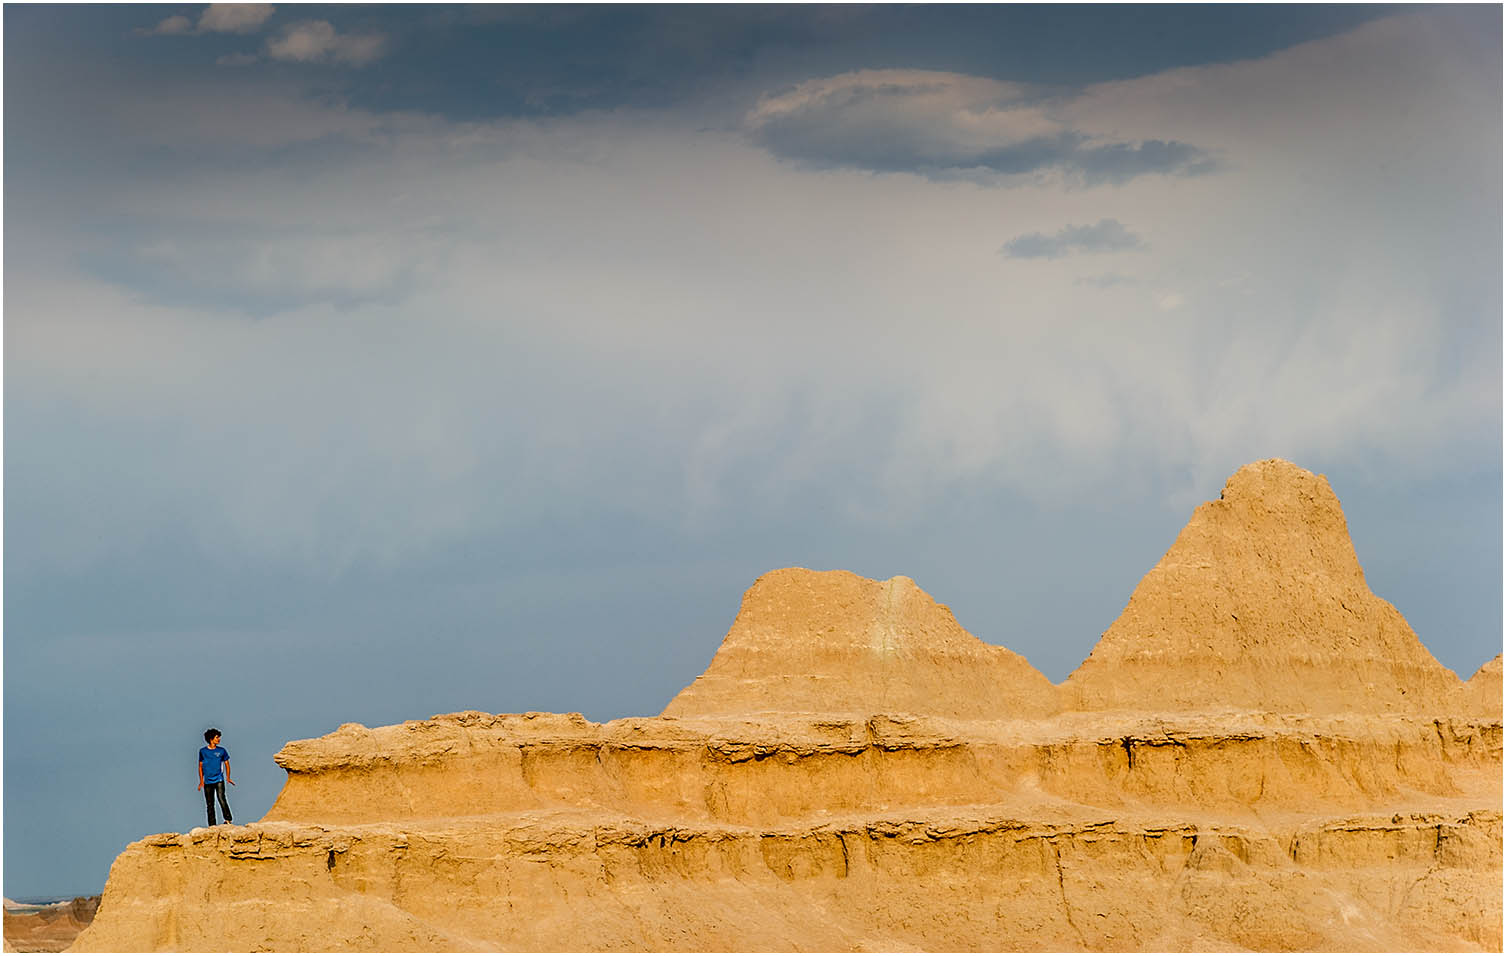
x=1259, y=754
x=834, y=642
x=1261, y=604
x=48, y=928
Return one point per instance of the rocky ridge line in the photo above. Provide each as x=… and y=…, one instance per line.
x=1259, y=754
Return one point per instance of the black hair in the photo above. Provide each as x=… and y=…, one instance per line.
x=210, y=734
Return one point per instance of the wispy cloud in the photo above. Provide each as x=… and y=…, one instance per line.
x=267, y=274
x=176, y=25
x=949, y=126
x=1107, y=280
x=317, y=41
x=1108, y=235
x=234, y=17
x=216, y=18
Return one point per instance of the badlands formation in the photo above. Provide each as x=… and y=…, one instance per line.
x=1259, y=754
x=47, y=928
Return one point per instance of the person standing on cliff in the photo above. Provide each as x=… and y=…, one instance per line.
x=214, y=773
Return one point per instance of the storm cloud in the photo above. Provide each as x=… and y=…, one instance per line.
x=949, y=126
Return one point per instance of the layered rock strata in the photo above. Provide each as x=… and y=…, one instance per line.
x=775, y=769
x=987, y=879
x=854, y=771
x=545, y=832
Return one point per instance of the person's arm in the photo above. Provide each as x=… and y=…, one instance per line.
x=227, y=771
x=201, y=774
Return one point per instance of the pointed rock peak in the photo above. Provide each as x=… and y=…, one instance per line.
x=1490, y=670
x=1261, y=604
x=1278, y=481
x=1278, y=494
x=826, y=608
x=1482, y=693
x=1281, y=514
x=837, y=642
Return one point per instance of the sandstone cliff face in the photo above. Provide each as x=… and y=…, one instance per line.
x=886, y=833
x=988, y=880
x=1261, y=604
x=855, y=771
x=834, y=642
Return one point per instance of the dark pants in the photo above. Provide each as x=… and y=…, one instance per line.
x=210, y=791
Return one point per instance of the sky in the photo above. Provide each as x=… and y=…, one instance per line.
x=369, y=363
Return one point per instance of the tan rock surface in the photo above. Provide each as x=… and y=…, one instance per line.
x=984, y=879
x=854, y=771
x=834, y=642
x=1261, y=604
x=772, y=769
x=1482, y=692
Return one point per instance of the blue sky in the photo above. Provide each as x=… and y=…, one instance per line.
x=367, y=363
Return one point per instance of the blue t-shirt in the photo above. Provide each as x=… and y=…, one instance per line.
x=213, y=761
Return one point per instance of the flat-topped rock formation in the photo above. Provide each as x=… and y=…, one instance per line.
x=541, y=832
x=834, y=642
x=854, y=771
x=1261, y=604
x=778, y=768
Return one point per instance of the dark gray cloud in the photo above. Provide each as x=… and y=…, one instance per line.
x=476, y=61
x=948, y=126
x=472, y=61
x=1107, y=235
